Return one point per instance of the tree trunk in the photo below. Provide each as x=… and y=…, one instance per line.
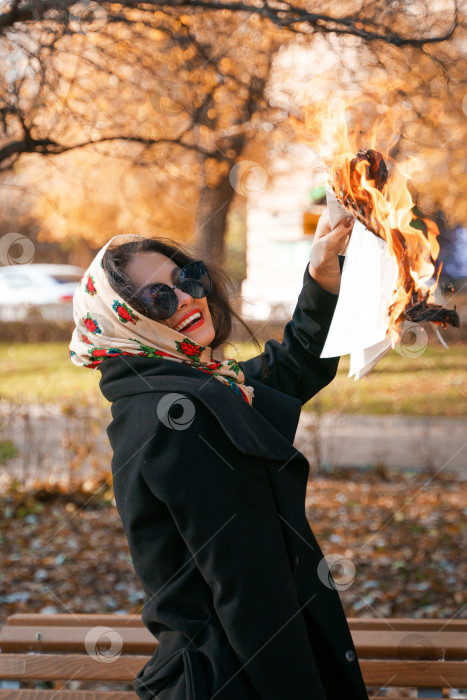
x=214, y=201
x=213, y=207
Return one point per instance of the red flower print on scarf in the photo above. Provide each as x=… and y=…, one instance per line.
x=92, y=364
x=106, y=352
x=98, y=352
x=85, y=339
x=90, y=288
x=124, y=313
x=188, y=347
x=91, y=324
x=147, y=351
x=214, y=365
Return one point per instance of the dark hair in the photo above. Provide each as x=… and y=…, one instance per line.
x=118, y=256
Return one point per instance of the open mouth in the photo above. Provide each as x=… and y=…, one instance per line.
x=194, y=320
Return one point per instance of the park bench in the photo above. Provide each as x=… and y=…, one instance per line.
x=425, y=655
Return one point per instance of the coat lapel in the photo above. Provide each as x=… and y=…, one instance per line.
x=266, y=429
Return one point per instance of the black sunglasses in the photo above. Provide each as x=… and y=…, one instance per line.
x=160, y=301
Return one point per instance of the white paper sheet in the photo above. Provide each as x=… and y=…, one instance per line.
x=362, y=361
x=337, y=212
x=360, y=322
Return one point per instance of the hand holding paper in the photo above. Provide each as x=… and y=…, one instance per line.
x=386, y=268
x=337, y=212
x=327, y=244
x=360, y=322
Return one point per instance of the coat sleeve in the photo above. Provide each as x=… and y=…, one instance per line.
x=294, y=366
x=223, y=506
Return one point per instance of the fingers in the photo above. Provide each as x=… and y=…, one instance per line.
x=343, y=250
x=345, y=225
x=325, y=217
x=333, y=236
x=324, y=225
x=341, y=231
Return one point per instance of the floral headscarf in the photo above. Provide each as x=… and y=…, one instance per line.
x=107, y=326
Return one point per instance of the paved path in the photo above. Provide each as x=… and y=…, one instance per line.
x=393, y=441
x=54, y=444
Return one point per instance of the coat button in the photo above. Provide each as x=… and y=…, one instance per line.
x=350, y=655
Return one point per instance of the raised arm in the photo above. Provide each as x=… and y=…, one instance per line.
x=294, y=366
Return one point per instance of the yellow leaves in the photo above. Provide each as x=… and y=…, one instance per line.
x=224, y=168
x=155, y=34
x=210, y=162
x=204, y=131
x=189, y=53
x=226, y=64
x=172, y=169
x=214, y=171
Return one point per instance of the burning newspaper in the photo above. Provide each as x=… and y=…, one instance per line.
x=387, y=263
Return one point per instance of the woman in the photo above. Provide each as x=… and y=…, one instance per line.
x=207, y=483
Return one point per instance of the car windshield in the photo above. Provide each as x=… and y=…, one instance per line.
x=64, y=279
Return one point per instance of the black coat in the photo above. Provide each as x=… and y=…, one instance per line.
x=211, y=494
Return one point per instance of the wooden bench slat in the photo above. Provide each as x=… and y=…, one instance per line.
x=402, y=644
x=425, y=674
x=355, y=623
x=72, y=639
x=74, y=620
x=398, y=644
x=99, y=695
x=54, y=667
x=394, y=652
x=411, y=624
x=419, y=674
x=27, y=694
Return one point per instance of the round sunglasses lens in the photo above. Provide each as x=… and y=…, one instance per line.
x=193, y=288
x=195, y=280
x=161, y=301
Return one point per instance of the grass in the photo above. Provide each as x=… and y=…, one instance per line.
x=44, y=373
x=432, y=384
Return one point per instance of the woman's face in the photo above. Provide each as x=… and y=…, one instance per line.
x=150, y=267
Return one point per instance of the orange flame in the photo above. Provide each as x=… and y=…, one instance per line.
x=378, y=197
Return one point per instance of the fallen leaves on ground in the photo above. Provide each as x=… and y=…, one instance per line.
x=401, y=542
x=393, y=542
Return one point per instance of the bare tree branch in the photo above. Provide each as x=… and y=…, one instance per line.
x=283, y=15
x=47, y=147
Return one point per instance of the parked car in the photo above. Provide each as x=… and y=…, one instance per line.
x=46, y=288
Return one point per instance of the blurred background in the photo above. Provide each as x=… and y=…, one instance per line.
x=182, y=121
